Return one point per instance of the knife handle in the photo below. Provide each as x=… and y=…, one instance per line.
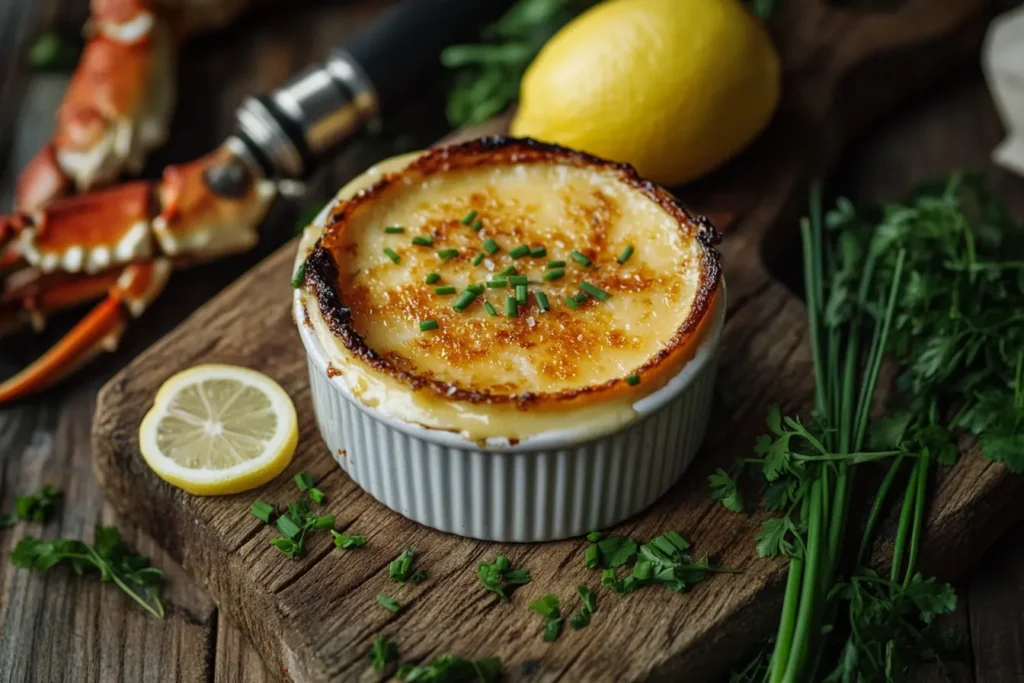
x=405, y=43
x=287, y=133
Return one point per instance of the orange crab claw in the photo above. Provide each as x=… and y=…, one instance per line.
x=100, y=330
x=42, y=181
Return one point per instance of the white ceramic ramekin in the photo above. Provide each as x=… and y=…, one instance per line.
x=555, y=485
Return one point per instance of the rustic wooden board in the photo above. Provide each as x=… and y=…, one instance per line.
x=315, y=619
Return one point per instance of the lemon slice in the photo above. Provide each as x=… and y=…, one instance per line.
x=218, y=429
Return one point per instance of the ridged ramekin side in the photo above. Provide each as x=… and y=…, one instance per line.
x=523, y=496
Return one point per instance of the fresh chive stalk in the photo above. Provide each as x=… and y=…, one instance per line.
x=469, y=217
x=445, y=290
x=554, y=274
x=626, y=253
x=571, y=302
x=464, y=300
x=447, y=254
x=556, y=264
x=497, y=283
x=580, y=258
x=490, y=246
x=511, y=270
x=394, y=230
x=478, y=259
x=392, y=254
x=520, y=251
x=511, y=307
x=595, y=292
x=432, y=278
x=538, y=252
x=518, y=280
x=521, y=294
x=427, y=325
x=542, y=300
x=489, y=308
x=299, y=276
x=423, y=241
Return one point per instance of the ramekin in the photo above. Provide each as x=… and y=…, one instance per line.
x=554, y=485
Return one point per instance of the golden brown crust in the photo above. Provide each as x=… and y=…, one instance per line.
x=322, y=274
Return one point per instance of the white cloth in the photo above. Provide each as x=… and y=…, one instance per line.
x=1003, y=62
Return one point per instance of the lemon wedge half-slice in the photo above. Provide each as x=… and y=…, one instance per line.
x=219, y=429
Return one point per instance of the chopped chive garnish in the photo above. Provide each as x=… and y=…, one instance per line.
x=464, y=300
x=478, y=259
x=478, y=226
x=581, y=297
x=288, y=528
x=521, y=294
x=303, y=481
x=542, y=300
x=447, y=254
x=511, y=270
x=427, y=325
x=394, y=230
x=633, y=380
x=490, y=246
x=469, y=217
x=511, y=307
x=323, y=522
x=262, y=511
x=570, y=301
x=421, y=241
x=432, y=278
x=489, y=308
x=579, y=258
x=392, y=254
x=497, y=283
x=554, y=274
x=626, y=253
x=518, y=280
x=346, y=542
x=556, y=264
x=388, y=603
x=476, y=289
x=520, y=251
x=445, y=289
x=595, y=292
x=316, y=495
x=538, y=252
x=299, y=276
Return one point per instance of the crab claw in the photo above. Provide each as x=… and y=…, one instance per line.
x=100, y=330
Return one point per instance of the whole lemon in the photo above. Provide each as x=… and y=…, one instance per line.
x=673, y=87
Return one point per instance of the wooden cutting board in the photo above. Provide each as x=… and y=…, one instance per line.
x=315, y=619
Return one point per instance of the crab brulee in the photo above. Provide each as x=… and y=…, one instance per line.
x=503, y=289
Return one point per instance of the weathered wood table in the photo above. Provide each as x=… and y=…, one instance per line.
x=61, y=628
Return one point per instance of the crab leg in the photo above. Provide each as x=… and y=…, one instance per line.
x=117, y=106
x=136, y=287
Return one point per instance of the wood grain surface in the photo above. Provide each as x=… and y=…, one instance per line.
x=648, y=636
x=61, y=628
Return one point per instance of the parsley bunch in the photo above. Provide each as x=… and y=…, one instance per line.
x=109, y=555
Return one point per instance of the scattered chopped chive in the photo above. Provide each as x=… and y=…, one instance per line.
x=595, y=536
x=262, y=511
x=581, y=298
x=554, y=274
x=445, y=289
x=520, y=251
x=511, y=270
x=388, y=603
x=518, y=280
x=345, y=542
x=579, y=258
x=595, y=292
x=392, y=254
x=478, y=259
x=511, y=307
x=383, y=653
x=633, y=380
x=469, y=217
x=447, y=254
x=497, y=283
x=520, y=294
x=502, y=563
x=556, y=264
x=299, y=276
x=592, y=556
x=316, y=495
x=427, y=325
x=588, y=598
x=571, y=302
x=465, y=299
x=432, y=278
x=398, y=570
x=542, y=300
x=490, y=246
x=418, y=576
x=422, y=241
x=547, y=606
x=476, y=289
x=553, y=629
x=626, y=253
x=580, y=620
x=303, y=481
x=489, y=308
x=324, y=522
x=288, y=528
x=394, y=230
x=478, y=226
x=538, y=252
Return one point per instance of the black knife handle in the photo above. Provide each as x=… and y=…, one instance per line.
x=400, y=48
x=287, y=133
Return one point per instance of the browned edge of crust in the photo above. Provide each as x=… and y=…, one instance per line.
x=321, y=273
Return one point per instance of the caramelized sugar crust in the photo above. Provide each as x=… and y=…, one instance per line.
x=524, y=192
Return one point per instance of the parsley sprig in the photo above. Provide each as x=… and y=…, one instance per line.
x=449, y=668
x=33, y=507
x=112, y=558
x=500, y=578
